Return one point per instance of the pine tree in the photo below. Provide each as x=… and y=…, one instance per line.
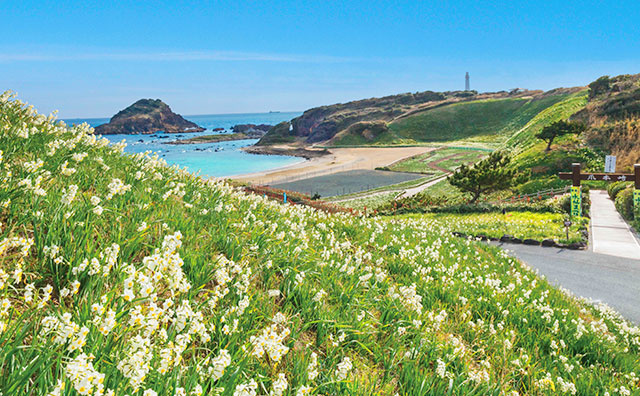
x=559, y=128
x=488, y=175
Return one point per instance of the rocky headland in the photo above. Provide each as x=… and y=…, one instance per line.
x=147, y=116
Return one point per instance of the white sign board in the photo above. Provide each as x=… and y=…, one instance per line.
x=610, y=164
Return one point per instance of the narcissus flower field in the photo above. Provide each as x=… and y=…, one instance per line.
x=120, y=275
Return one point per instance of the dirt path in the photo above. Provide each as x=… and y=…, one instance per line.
x=410, y=192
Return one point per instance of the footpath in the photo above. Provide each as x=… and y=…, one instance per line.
x=609, y=272
x=610, y=234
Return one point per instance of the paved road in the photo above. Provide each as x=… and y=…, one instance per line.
x=410, y=192
x=610, y=234
x=609, y=279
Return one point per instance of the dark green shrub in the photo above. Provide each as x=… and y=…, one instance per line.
x=439, y=204
x=540, y=206
x=419, y=203
x=614, y=188
x=599, y=87
x=624, y=203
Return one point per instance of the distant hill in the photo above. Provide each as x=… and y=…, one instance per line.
x=147, y=116
x=420, y=117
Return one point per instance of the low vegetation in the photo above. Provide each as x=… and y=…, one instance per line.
x=622, y=195
x=277, y=135
x=369, y=203
x=522, y=225
x=120, y=275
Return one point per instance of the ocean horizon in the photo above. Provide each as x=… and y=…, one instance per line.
x=220, y=159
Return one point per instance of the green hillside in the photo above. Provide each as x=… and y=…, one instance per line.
x=487, y=121
x=149, y=280
x=562, y=110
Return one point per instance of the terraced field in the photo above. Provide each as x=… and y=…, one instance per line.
x=439, y=162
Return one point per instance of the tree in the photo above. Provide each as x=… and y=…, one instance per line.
x=600, y=86
x=490, y=174
x=559, y=128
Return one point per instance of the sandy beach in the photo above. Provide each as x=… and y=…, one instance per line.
x=338, y=160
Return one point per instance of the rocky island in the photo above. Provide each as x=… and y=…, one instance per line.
x=147, y=116
x=221, y=137
x=252, y=129
x=240, y=132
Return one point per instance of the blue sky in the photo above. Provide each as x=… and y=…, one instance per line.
x=91, y=59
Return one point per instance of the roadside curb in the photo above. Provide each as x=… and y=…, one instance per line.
x=528, y=241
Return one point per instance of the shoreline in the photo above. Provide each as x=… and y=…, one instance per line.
x=323, y=162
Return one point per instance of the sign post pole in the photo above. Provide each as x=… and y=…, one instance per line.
x=636, y=189
x=576, y=196
x=575, y=176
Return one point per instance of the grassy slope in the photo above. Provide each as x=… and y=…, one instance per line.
x=368, y=133
x=562, y=110
x=408, y=309
x=489, y=121
x=529, y=152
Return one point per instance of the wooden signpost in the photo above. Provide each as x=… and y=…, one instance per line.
x=576, y=176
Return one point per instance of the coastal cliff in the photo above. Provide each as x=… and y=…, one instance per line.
x=147, y=116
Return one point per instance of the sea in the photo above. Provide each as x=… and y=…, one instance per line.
x=220, y=159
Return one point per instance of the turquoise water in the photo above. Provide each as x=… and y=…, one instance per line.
x=210, y=159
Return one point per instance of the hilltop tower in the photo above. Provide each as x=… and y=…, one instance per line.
x=466, y=82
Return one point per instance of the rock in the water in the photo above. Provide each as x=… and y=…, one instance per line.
x=252, y=129
x=147, y=116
